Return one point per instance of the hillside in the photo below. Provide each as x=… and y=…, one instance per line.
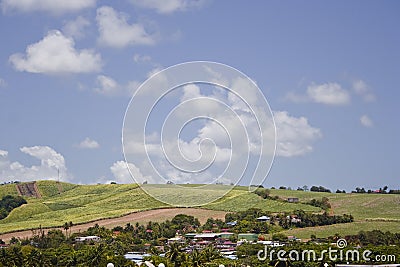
x=64, y=202
x=361, y=206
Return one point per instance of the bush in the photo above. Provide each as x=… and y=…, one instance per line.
x=262, y=192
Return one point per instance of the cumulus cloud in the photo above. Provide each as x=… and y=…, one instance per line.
x=55, y=7
x=142, y=58
x=48, y=156
x=89, y=143
x=363, y=90
x=3, y=153
x=294, y=135
x=56, y=54
x=121, y=173
x=169, y=6
x=75, y=28
x=115, y=31
x=230, y=144
x=107, y=86
x=328, y=93
x=51, y=162
x=366, y=121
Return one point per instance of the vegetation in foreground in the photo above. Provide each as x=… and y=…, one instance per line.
x=59, y=249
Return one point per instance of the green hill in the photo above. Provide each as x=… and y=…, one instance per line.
x=64, y=202
x=361, y=206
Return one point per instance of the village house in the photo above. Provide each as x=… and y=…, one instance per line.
x=264, y=219
x=248, y=237
x=91, y=238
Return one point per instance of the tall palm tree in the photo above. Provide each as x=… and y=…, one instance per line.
x=174, y=254
x=15, y=256
x=70, y=224
x=36, y=258
x=66, y=227
x=210, y=253
x=96, y=255
x=70, y=258
x=196, y=258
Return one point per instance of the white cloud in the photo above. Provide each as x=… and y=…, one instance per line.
x=50, y=163
x=48, y=156
x=75, y=28
x=169, y=6
x=107, y=86
x=328, y=93
x=363, y=90
x=89, y=143
x=115, y=31
x=3, y=153
x=56, y=54
x=231, y=144
x=360, y=87
x=55, y=7
x=141, y=58
x=294, y=135
x=190, y=91
x=366, y=121
x=121, y=173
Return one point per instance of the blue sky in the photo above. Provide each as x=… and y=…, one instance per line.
x=329, y=70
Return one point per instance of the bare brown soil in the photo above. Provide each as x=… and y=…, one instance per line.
x=158, y=215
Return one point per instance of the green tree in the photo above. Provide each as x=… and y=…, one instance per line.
x=37, y=259
x=15, y=256
x=96, y=255
x=174, y=254
x=196, y=258
x=210, y=253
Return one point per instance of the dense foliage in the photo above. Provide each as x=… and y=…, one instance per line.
x=8, y=203
x=319, y=189
x=375, y=237
x=309, y=219
x=55, y=249
x=323, y=203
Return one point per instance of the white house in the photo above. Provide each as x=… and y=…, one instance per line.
x=264, y=219
x=93, y=238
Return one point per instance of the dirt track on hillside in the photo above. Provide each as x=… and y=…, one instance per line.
x=142, y=217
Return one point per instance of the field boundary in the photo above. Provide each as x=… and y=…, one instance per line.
x=113, y=218
x=143, y=214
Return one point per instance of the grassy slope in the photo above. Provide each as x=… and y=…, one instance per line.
x=370, y=211
x=344, y=229
x=8, y=189
x=361, y=206
x=83, y=203
x=77, y=203
x=239, y=200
